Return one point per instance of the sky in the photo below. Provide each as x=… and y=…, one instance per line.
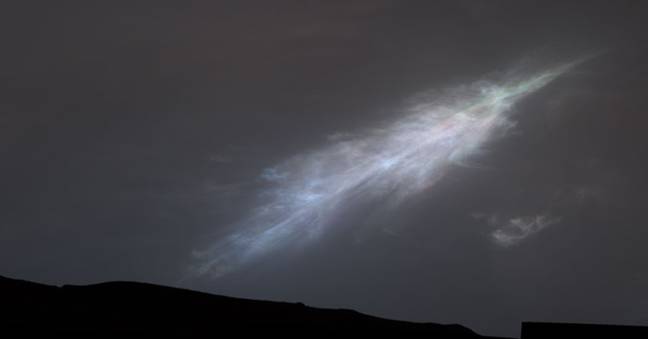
x=425, y=173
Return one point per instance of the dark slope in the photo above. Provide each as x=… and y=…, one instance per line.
x=122, y=308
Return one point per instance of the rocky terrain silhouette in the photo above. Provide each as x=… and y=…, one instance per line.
x=115, y=309
x=125, y=308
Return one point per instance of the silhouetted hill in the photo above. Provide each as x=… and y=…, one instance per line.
x=117, y=309
x=126, y=308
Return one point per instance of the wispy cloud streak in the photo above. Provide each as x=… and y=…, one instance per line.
x=392, y=163
x=517, y=229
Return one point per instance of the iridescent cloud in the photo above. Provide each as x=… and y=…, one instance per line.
x=391, y=163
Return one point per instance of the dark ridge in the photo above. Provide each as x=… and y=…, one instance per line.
x=116, y=309
x=127, y=308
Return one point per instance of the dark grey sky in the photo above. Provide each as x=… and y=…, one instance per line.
x=131, y=133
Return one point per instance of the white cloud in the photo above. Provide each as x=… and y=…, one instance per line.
x=391, y=162
x=515, y=230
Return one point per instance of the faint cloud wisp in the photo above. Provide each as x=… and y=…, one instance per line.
x=517, y=229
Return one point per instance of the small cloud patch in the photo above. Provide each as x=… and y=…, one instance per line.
x=515, y=230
